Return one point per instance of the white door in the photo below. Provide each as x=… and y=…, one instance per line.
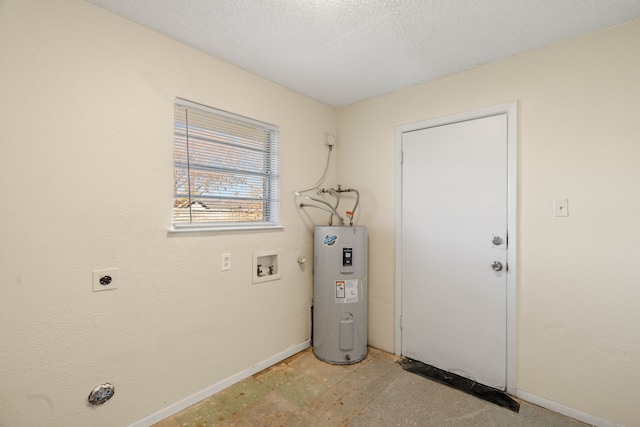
x=454, y=238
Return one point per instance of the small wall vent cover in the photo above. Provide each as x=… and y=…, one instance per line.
x=101, y=394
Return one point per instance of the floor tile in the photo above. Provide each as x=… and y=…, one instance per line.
x=269, y=410
x=169, y=422
x=338, y=407
x=292, y=384
x=324, y=372
x=447, y=406
x=371, y=377
x=303, y=390
x=376, y=392
x=221, y=405
x=304, y=418
x=277, y=376
x=369, y=418
x=371, y=353
x=402, y=397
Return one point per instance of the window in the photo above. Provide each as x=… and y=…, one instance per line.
x=225, y=170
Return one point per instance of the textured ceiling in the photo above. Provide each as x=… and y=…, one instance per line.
x=343, y=51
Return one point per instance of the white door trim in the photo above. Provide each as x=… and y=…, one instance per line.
x=511, y=109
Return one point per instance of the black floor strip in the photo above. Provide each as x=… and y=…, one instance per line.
x=466, y=385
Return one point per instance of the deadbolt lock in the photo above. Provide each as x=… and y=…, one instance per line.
x=497, y=240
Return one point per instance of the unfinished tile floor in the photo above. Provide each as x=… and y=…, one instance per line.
x=303, y=391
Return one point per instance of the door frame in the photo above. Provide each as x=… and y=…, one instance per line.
x=511, y=110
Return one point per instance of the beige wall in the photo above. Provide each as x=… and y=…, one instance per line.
x=86, y=134
x=578, y=334
x=86, y=100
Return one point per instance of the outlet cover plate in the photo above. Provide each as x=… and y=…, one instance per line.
x=105, y=280
x=225, y=262
x=561, y=207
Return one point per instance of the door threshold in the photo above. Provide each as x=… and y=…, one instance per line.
x=490, y=394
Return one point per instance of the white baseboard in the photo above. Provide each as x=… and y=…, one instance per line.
x=203, y=394
x=565, y=410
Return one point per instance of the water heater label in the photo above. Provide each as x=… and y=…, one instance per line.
x=346, y=291
x=339, y=290
x=330, y=239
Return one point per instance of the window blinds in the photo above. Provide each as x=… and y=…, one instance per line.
x=225, y=168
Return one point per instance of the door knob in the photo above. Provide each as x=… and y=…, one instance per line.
x=496, y=266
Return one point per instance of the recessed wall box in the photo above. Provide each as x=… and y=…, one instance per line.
x=266, y=266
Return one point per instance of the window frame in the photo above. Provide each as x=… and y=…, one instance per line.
x=270, y=164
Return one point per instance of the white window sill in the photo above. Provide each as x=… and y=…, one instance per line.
x=230, y=227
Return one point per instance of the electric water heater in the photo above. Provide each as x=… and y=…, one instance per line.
x=340, y=294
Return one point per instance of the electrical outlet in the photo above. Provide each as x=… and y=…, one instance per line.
x=105, y=280
x=225, y=262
